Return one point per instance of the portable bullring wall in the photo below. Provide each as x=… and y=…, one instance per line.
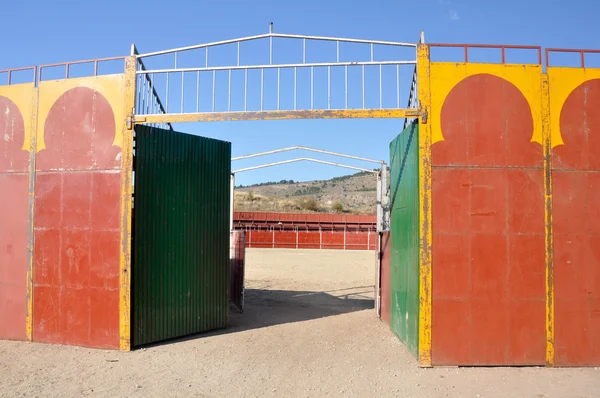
x=509, y=261
x=508, y=216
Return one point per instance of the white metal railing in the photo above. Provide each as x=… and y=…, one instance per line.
x=185, y=91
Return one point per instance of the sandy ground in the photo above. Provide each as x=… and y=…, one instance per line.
x=308, y=330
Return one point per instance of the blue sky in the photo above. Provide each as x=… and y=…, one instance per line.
x=42, y=32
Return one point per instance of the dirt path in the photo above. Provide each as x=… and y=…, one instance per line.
x=309, y=330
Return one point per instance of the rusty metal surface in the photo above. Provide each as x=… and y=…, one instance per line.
x=180, y=279
x=488, y=229
x=14, y=225
x=385, y=251
x=237, y=261
x=576, y=225
x=77, y=223
x=279, y=115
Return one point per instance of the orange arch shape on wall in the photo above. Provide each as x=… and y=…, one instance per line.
x=445, y=76
x=87, y=119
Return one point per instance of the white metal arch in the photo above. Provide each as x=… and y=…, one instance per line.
x=182, y=96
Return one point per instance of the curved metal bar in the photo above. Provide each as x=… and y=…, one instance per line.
x=301, y=160
x=304, y=148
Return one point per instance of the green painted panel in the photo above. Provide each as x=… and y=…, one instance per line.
x=180, y=264
x=404, y=262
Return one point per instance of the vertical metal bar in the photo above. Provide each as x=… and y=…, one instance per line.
x=363, y=87
x=278, y=86
x=312, y=87
x=338, y=51
x=346, y=89
x=238, y=60
x=95, y=68
x=246, y=90
x=303, y=51
x=167, y=95
x=466, y=54
x=294, y=88
x=198, y=92
x=262, y=88
x=143, y=92
x=9, y=77
x=229, y=94
x=582, y=59
x=380, y=86
x=137, y=93
x=329, y=87
x=206, y=63
x=67, y=70
x=398, y=86
x=503, y=55
x=182, y=90
x=214, y=85
x=271, y=50
x=176, y=60
x=372, y=52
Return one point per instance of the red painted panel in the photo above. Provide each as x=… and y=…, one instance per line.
x=309, y=240
x=357, y=240
x=285, y=239
x=333, y=240
x=488, y=229
x=260, y=239
x=14, y=209
x=77, y=227
x=576, y=224
x=386, y=250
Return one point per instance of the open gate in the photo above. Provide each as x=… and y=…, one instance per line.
x=180, y=250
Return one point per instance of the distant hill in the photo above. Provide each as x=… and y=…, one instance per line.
x=355, y=194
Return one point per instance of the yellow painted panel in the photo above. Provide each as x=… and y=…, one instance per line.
x=110, y=86
x=445, y=76
x=562, y=83
x=23, y=96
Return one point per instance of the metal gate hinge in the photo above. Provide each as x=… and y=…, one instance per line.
x=132, y=120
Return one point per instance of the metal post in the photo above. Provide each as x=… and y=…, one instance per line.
x=379, y=206
x=320, y=238
x=231, y=199
x=385, y=198
x=378, y=277
x=344, y=237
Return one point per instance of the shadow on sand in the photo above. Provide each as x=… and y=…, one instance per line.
x=264, y=308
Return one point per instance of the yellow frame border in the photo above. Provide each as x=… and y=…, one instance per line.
x=126, y=203
x=549, y=243
x=425, y=278
x=278, y=115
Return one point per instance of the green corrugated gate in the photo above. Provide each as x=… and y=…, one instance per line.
x=180, y=271
x=404, y=259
